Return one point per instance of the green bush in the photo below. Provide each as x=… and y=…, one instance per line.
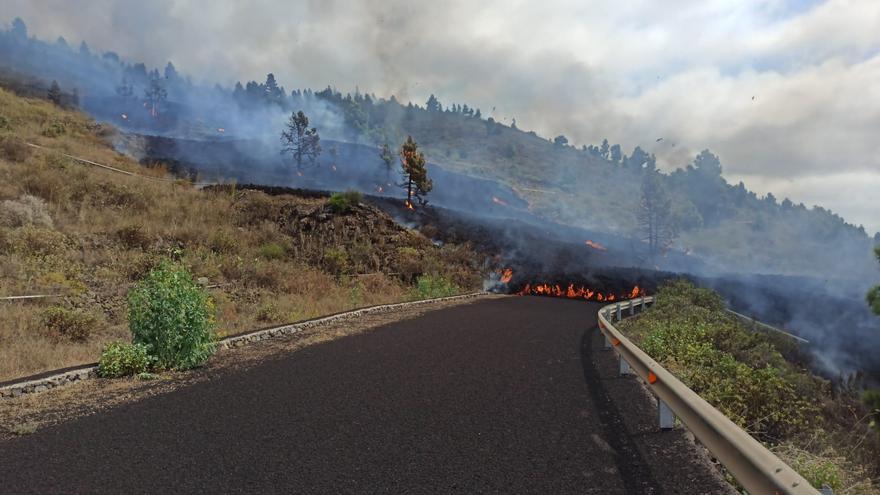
x=825, y=470
x=344, y=202
x=69, y=324
x=119, y=359
x=173, y=317
x=272, y=251
x=431, y=286
x=736, y=370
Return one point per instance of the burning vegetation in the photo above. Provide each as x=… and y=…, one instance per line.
x=569, y=290
x=577, y=292
x=595, y=245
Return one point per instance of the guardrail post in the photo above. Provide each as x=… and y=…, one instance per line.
x=607, y=342
x=667, y=417
x=643, y=304
x=632, y=308
x=618, y=312
x=624, y=366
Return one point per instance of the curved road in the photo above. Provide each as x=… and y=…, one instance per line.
x=508, y=395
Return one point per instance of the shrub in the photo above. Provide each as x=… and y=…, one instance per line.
x=269, y=312
x=735, y=370
x=4, y=123
x=26, y=210
x=68, y=324
x=35, y=241
x=272, y=251
x=119, y=359
x=14, y=149
x=344, y=202
x=826, y=470
x=173, y=317
x=224, y=242
x=431, y=286
x=871, y=399
x=54, y=129
x=335, y=261
x=132, y=236
x=409, y=263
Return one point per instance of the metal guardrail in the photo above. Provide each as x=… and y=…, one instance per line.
x=755, y=323
x=754, y=466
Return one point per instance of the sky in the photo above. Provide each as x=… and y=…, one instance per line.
x=787, y=93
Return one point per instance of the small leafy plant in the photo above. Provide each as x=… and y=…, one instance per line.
x=173, y=317
x=120, y=359
x=431, y=286
x=344, y=202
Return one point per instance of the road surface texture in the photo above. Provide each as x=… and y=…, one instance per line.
x=511, y=395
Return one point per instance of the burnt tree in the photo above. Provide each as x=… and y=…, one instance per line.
x=300, y=141
x=415, y=174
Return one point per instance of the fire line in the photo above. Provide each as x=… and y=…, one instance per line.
x=572, y=292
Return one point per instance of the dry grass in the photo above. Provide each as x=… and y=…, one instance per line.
x=89, y=233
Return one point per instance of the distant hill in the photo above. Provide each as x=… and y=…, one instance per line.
x=596, y=187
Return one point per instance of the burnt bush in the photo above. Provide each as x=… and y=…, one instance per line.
x=132, y=237
x=62, y=323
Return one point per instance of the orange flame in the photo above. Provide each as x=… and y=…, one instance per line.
x=408, y=205
x=506, y=275
x=498, y=201
x=572, y=292
x=595, y=245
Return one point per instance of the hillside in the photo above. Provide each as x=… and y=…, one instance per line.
x=87, y=234
x=596, y=187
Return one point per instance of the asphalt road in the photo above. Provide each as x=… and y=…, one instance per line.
x=500, y=396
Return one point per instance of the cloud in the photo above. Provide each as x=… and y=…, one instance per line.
x=629, y=71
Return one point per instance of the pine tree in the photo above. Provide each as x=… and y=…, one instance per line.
x=54, y=93
x=274, y=94
x=125, y=90
x=873, y=296
x=300, y=141
x=386, y=155
x=19, y=29
x=155, y=93
x=432, y=105
x=604, y=149
x=415, y=174
x=616, y=154
x=655, y=214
